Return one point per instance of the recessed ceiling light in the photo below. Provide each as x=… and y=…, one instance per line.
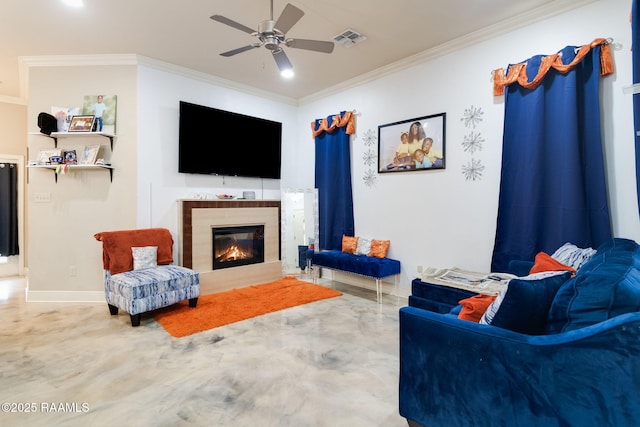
x=74, y=3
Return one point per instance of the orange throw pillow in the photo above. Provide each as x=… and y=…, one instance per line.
x=474, y=307
x=349, y=244
x=544, y=262
x=379, y=248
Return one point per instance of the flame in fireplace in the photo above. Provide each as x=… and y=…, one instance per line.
x=232, y=253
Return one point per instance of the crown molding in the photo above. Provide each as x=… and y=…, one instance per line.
x=208, y=78
x=13, y=100
x=27, y=62
x=539, y=14
x=546, y=11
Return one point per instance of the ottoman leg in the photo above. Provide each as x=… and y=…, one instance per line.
x=113, y=309
x=135, y=319
x=193, y=302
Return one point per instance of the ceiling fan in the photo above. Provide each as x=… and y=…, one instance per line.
x=272, y=36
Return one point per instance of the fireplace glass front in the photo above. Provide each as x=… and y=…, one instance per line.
x=238, y=245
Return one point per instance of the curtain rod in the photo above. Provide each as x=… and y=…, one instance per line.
x=608, y=40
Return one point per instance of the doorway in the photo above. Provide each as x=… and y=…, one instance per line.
x=14, y=265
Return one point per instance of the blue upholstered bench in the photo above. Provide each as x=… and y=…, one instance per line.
x=362, y=265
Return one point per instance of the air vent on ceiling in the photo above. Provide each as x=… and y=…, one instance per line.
x=349, y=37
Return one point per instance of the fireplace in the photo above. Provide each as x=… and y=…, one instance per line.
x=237, y=245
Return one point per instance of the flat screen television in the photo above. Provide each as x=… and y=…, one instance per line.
x=218, y=142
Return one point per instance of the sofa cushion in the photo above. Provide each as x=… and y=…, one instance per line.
x=573, y=256
x=524, y=304
x=349, y=244
x=138, y=291
x=364, y=246
x=379, y=248
x=606, y=286
x=474, y=307
x=144, y=257
x=544, y=262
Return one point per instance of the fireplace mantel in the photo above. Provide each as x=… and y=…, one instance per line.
x=195, y=240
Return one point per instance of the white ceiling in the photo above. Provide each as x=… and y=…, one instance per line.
x=180, y=32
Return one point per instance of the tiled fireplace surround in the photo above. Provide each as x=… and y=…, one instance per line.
x=197, y=217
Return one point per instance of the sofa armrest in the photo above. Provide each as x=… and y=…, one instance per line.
x=459, y=373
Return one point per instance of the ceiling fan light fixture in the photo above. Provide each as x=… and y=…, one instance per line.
x=287, y=73
x=74, y=3
x=271, y=35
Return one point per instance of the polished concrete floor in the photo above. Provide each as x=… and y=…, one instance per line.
x=329, y=363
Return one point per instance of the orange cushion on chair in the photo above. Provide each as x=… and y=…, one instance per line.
x=544, y=262
x=474, y=307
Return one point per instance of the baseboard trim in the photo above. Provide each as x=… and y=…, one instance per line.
x=66, y=296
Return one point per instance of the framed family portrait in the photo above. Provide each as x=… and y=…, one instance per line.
x=416, y=144
x=81, y=123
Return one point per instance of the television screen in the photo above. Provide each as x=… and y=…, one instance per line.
x=219, y=142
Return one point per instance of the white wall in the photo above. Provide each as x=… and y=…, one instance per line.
x=65, y=261
x=433, y=218
x=159, y=184
x=438, y=218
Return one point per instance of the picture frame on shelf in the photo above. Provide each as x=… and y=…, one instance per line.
x=81, y=123
x=103, y=107
x=70, y=157
x=89, y=155
x=63, y=116
x=416, y=144
x=45, y=155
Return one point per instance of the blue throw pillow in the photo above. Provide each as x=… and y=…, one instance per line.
x=606, y=286
x=523, y=306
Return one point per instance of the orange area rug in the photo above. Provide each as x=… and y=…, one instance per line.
x=239, y=304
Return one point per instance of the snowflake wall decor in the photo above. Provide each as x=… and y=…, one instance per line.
x=369, y=157
x=472, y=116
x=369, y=138
x=473, y=170
x=370, y=177
x=472, y=142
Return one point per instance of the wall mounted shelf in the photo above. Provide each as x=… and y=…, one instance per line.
x=75, y=168
x=56, y=135
x=61, y=135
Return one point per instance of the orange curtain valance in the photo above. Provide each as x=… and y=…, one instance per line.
x=347, y=120
x=518, y=72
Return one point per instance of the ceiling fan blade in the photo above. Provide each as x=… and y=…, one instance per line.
x=315, y=45
x=290, y=15
x=232, y=23
x=282, y=60
x=240, y=50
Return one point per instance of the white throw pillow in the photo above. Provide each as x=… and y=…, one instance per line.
x=145, y=257
x=573, y=256
x=364, y=246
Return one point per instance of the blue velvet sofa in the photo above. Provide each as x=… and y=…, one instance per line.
x=362, y=265
x=582, y=368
